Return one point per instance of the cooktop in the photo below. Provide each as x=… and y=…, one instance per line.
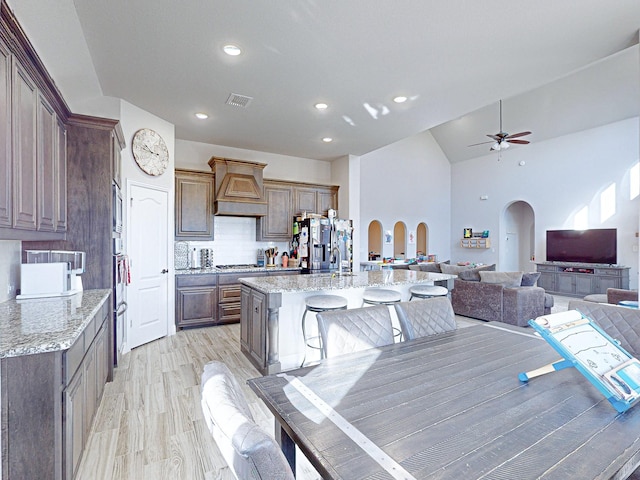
x=237, y=266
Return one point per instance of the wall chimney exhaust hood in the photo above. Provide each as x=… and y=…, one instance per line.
x=239, y=191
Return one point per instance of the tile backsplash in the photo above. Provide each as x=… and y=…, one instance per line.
x=235, y=242
x=10, y=258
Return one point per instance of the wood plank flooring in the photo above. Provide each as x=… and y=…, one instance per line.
x=149, y=424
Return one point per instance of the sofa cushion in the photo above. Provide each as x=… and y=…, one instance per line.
x=473, y=274
x=529, y=279
x=454, y=269
x=506, y=279
x=430, y=267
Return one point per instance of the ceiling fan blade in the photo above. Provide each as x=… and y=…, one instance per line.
x=481, y=143
x=496, y=137
x=519, y=142
x=521, y=134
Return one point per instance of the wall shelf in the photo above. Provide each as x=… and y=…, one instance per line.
x=475, y=242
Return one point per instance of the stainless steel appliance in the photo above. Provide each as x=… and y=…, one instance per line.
x=120, y=281
x=323, y=244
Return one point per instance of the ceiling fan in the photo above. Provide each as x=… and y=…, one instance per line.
x=501, y=140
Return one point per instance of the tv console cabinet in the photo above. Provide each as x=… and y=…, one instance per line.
x=581, y=279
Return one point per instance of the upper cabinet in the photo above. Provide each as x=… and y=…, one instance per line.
x=33, y=161
x=194, y=205
x=6, y=205
x=286, y=199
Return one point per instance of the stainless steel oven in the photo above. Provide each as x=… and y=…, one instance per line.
x=116, y=207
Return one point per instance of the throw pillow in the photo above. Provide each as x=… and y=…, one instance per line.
x=506, y=279
x=473, y=274
x=530, y=279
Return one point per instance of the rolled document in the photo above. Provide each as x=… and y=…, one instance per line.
x=555, y=319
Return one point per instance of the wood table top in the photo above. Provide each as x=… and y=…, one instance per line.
x=451, y=407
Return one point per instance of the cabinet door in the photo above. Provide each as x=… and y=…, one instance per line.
x=102, y=360
x=606, y=281
x=245, y=318
x=73, y=424
x=61, y=177
x=5, y=138
x=258, y=339
x=90, y=388
x=278, y=223
x=565, y=283
x=46, y=181
x=194, y=206
x=24, y=103
x=547, y=281
x=327, y=198
x=584, y=284
x=196, y=306
x=116, y=159
x=305, y=200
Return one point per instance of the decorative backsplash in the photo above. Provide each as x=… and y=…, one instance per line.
x=235, y=243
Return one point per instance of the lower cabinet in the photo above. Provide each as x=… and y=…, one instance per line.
x=253, y=338
x=580, y=280
x=196, y=300
x=49, y=401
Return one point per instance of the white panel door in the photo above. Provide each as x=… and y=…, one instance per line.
x=148, y=295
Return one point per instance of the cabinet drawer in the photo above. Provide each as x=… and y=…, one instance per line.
x=204, y=280
x=229, y=293
x=547, y=268
x=229, y=312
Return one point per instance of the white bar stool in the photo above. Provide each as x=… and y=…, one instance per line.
x=427, y=291
x=382, y=296
x=315, y=304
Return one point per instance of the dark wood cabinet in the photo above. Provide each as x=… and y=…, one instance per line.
x=6, y=205
x=46, y=178
x=286, y=199
x=196, y=300
x=229, y=297
x=23, y=121
x=60, y=196
x=277, y=223
x=194, y=205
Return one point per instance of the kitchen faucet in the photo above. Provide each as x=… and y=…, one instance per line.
x=336, y=249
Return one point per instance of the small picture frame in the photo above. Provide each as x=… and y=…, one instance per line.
x=467, y=233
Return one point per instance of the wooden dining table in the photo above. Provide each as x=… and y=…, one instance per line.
x=451, y=406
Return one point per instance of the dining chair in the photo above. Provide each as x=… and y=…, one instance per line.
x=250, y=452
x=421, y=318
x=347, y=331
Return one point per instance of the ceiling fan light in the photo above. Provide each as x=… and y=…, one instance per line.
x=504, y=145
x=495, y=146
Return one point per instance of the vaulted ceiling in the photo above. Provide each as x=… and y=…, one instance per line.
x=452, y=60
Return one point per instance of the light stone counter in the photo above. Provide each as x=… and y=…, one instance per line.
x=213, y=270
x=272, y=308
x=46, y=324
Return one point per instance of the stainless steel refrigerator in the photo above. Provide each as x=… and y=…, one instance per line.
x=322, y=244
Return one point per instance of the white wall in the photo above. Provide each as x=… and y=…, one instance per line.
x=195, y=156
x=408, y=181
x=133, y=119
x=559, y=177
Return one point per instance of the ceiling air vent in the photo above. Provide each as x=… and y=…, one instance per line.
x=241, y=101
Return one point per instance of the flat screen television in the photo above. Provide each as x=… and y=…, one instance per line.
x=596, y=245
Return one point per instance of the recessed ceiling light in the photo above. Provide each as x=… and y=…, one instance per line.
x=202, y=116
x=321, y=106
x=327, y=139
x=400, y=99
x=232, y=50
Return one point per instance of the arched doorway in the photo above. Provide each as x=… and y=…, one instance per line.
x=375, y=240
x=399, y=240
x=422, y=239
x=517, y=244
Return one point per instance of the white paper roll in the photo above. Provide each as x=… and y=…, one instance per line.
x=559, y=318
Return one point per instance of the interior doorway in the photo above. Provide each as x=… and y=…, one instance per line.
x=517, y=239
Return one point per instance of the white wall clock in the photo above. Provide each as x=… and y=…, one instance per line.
x=150, y=152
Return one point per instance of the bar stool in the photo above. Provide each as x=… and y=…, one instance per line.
x=382, y=296
x=427, y=291
x=315, y=304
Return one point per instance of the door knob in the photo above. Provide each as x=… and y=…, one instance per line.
x=164, y=270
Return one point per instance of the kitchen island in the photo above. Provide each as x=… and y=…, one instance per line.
x=272, y=308
x=55, y=358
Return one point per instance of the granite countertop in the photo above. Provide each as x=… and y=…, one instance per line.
x=328, y=281
x=198, y=271
x=46, y=324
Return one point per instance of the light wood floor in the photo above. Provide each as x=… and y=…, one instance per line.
x=149, y=424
